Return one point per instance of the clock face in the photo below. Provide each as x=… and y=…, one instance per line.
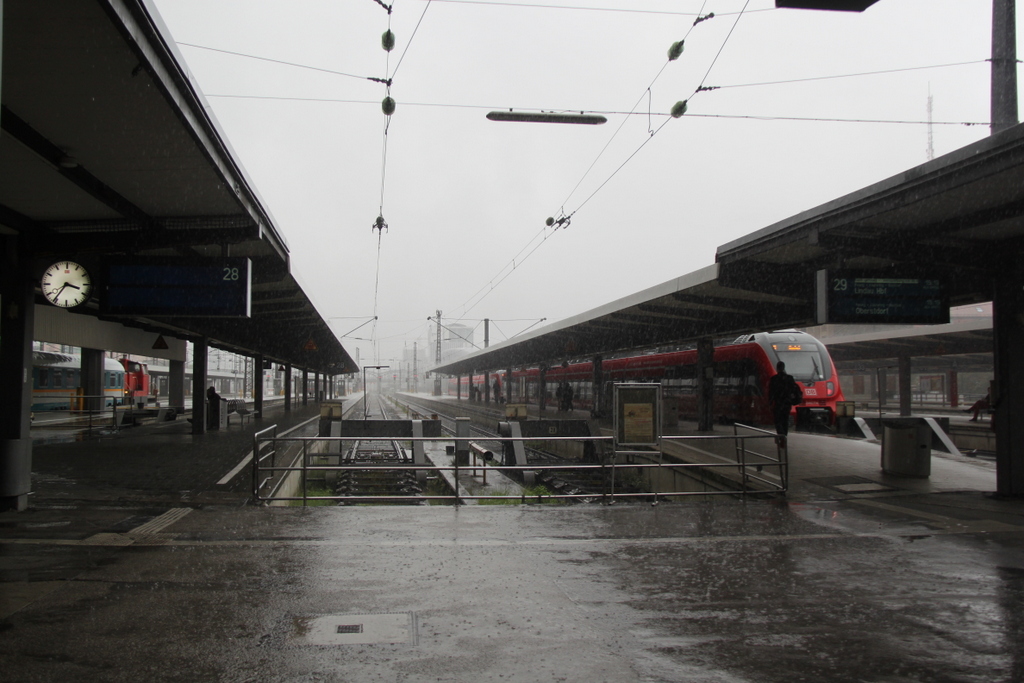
x=66, y=284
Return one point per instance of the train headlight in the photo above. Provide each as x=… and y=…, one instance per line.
x=830, y=388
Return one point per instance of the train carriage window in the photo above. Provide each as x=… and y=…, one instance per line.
x=58, y=378
x=680, y=379
x=44, y=378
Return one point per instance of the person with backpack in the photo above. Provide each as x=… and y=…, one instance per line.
x=783, y=394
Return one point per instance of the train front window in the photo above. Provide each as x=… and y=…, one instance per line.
x=806, y=361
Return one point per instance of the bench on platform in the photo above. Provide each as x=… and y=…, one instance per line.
x=238, y=407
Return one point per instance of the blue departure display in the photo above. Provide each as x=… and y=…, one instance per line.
x=851, y=297
x=166, y=287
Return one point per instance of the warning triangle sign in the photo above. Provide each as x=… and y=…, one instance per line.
x=310, y=345
x=160, y=342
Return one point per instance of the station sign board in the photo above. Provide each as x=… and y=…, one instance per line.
x=866, y=298
x=161, y=287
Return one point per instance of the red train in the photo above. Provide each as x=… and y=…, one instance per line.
x=136, y=381
x=742, y=371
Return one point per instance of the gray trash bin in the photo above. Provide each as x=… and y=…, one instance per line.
x=907, y=449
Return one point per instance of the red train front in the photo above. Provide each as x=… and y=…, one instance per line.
x=136, y=381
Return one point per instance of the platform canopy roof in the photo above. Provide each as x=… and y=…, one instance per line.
x=959, y=217
x=962, y=344
x=108, y=149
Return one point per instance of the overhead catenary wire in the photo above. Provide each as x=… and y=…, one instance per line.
x=608, y=112
x=532, y=5
x=563, y=220
x=761, y=117
x=700, y=88
x=646, y=92
x=278, y=61
x=380, y=225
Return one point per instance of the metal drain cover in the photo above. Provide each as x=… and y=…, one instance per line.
x=356, y=629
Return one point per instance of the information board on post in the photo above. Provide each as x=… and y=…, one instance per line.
x=637, y=415
x=155, y=287
x=866, y=297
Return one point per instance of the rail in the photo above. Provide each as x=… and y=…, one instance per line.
x=751, y=468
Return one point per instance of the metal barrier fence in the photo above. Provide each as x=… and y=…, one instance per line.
x=108, y=417
x=748, y=468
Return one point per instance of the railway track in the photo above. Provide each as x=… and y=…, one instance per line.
x=380, y=457
x=567, y=481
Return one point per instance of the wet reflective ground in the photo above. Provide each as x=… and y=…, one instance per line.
x=900, y=588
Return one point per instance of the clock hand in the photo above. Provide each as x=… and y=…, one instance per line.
x=68, y=284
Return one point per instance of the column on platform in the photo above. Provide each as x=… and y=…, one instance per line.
x=176, y=385
x=542, y=388
x=90, y=373
x=1008, y=398
x=705, y=384
x=199, y=364
x=906, y=389
x=257, y=385
x=287, y=388
x=17, y=321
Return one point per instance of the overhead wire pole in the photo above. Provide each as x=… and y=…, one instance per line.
x=437, y=357
x=1004, y=65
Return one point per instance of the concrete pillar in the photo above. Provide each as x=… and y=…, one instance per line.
x=487, y=387
x=882, y=380
x=906, y=389
x=598, y=382
x=705, y=384
x=954, y=388
x=305, y=387
x=176, y=384
x=257, y=386
x=17, y=321
x=458, y=387
x=1008, y=328
x=508, y=385
x=90, y=379
x=542, y=388
x=199, y=364
x=288, y=388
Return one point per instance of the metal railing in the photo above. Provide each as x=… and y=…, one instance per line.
x=107, y=417
x=748, y=472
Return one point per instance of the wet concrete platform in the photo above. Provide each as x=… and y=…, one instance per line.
x=909, y=580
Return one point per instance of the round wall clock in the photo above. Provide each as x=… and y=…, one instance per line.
x=66, y=284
